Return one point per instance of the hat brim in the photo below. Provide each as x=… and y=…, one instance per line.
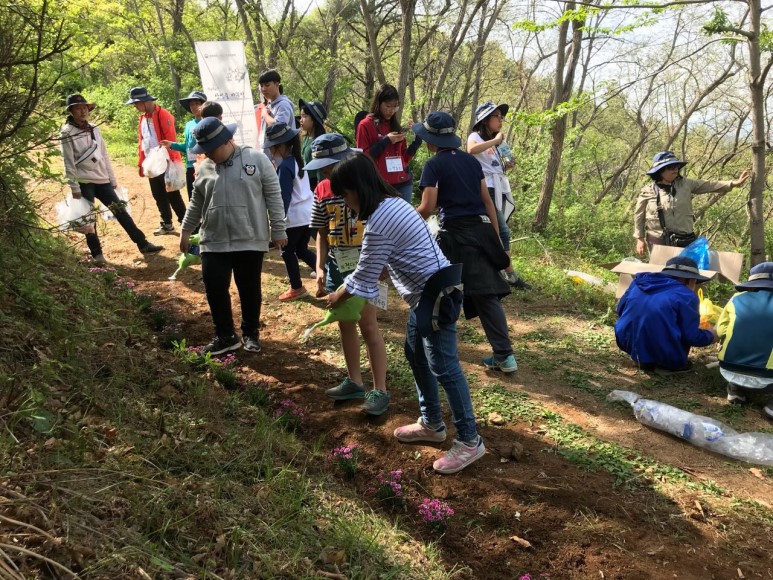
x=186, y=102
x=288, y=136
x=756, y=285
x=223, y=137
x=89, y=105
x=504, y=108
x=655, y=169
x=684, y=274
x=321, y=162
x=305, y=105
x=448, y=141
x=141, y=100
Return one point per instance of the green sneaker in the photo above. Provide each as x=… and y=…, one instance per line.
x=376, y=402
x=346, y=390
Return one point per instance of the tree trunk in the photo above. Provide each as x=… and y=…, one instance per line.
x=408, y=9
x=757, y=91
x=564, y=80
x=248, y=36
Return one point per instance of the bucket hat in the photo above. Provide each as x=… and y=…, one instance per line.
x=683, y=267
x=139, y=95
x=194, y=96
x=328, y=149
x=438, y=130
x=279, y=133
x=77, y=100
x=760, y=277
x=486, y=109
x=316, y=110
x=664, y=159
x=211, y=133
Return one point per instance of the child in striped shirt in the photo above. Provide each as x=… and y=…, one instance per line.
x=396, y=237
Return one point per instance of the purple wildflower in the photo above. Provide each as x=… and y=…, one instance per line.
x=435, y=513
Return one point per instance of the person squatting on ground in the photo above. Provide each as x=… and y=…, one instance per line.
x=745, y=329
x=664, y=213
x=157, y=124
x=235, y=197
x=285, y=145
x=397, y=238
x=313, y=115
x=380, y=135
x=339, y=240
x=453, y=181
x=659, y=317
x=90, y=174
x=483, y=143
x=193, y=103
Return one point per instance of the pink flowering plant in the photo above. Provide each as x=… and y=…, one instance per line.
x=435, y=513
x=390, y=487
x=345, y=458
x=289, y=415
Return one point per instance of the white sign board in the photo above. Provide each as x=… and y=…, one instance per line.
x=225, y=79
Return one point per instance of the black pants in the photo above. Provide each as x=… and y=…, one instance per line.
x=494, y=321
x=216, y=269
x=105, y=193
x=298, y=247
x=166, y=201
x=189, y=179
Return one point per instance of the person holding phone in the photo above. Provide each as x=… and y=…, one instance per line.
x=380, y=135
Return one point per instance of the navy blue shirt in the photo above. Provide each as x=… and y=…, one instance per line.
x=457, y=176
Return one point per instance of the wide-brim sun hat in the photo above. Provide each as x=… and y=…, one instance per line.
x=211, y=133
x=77, y=99
x=760, y=277
x=663, y=159
x=329, y=149
x=683, y=267
x=316, y=110
x=139, y=95
x=194, y=96
x=279, y=133
x=438, y=129
x=486, y=109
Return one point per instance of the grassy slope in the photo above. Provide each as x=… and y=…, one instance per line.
x=113, y=468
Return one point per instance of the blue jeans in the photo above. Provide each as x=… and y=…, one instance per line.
x=406, y=190
x=434, y=360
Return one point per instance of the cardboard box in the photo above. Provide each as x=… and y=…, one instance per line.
x=722, y=265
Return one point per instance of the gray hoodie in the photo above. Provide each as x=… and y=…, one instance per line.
x=235, y=201
x=85, y=156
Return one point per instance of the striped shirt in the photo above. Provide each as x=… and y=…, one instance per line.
x=329, y=211
x=396, y=237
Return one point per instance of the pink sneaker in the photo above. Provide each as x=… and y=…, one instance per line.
x=458, y=457
x=418, y=431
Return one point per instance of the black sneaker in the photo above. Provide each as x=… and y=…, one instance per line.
x=221, y=344
x=150, y=248
x=251, y=344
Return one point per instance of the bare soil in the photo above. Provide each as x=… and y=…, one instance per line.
x=578, y=523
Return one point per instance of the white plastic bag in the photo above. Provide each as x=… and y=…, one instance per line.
x=174, y=178
x=76, y=214
x=155, y=162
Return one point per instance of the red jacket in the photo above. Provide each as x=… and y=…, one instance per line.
x=368, y=135
x=163, y=123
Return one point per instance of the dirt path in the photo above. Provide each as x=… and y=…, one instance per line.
x=569, y=494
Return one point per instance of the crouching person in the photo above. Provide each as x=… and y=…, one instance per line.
x=235, y=188
x=745, y=329
x=659, y=317
x=396, y=237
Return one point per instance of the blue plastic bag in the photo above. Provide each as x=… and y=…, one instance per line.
x=698, y=251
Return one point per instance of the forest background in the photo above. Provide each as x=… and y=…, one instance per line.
x=594, y=88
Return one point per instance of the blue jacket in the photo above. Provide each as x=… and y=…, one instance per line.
x=659, y=322
x=746, y=330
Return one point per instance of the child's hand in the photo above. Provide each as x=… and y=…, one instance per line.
x=337, y=298
x=165, y=143
x=185, y=241
x=280, y=243
x=395, y=137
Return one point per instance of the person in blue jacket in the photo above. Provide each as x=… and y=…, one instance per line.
x=193, y=103
x=745, y=328
x=659, y=318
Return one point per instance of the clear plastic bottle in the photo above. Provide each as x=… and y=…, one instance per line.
x=700, y=431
